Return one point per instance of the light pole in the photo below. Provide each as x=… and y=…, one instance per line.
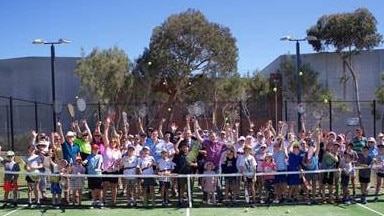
x=275, y=91
x=53, y=85
x=298, y=72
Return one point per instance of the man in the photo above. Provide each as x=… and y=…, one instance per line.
x=70, y=149
x=359, y=141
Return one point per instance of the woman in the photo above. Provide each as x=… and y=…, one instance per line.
x=111, y=162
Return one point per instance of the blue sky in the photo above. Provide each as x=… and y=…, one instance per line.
x=256, y=24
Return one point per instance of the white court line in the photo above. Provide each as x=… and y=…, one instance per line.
x=13, y=211
x=187, y=212
x=372, y=210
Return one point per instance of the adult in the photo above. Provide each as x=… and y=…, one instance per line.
x=359, y=141
x=83, y=139
x=111, y=162
x=70, y=149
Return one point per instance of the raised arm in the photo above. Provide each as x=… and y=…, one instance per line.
x=84, y=122
x=160, y=130
x=107, y=125
x=196, y=127
x=141, y=128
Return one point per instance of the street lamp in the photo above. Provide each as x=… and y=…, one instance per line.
x=298, y=72
x=53, y=86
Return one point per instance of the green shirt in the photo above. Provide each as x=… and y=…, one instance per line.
x=85, y=147
x=358, y=144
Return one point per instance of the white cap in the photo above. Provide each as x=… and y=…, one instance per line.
x=70, y=134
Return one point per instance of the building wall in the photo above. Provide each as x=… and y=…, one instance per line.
x=369, y=66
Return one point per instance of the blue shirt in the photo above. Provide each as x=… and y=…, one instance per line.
x=279, y=158
x=294, y=162
x=70, y=152
x=94, y=164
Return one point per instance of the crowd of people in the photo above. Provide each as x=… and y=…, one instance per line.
x=254, y=167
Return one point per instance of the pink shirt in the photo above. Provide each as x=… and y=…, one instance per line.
x=110, y=159
x=268, y=168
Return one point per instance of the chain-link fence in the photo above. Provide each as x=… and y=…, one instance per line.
x=339, y=116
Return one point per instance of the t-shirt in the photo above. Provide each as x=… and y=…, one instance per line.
x=268, y=168
x=84, y=145
x=279, y=159
x=380, y=162
x=248, y=163
x=129, y=165
x=10, y=166
x=182, y=164
x=294, y=161
x=94, y=164
x=145, y=164
x=70, y=151
x=165, y=166
x=358, y=144
x=110, y=157
x=345, y=167
x=365, y=173
x=229, y=165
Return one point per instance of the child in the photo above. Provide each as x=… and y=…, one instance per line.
x=228, y=166
x=329, y=161
x=56, y=188
x=33, y=163
x=294, y=164
x=10, y=180
x=93, y=163
x=355, y=157
x=209, y=183
x=346, y=168
x=76, y=184
x=129, y=163
x=280, y=182
x=311, y=163
x=380, y=171
x=165, y=167
x=268, y=166
x=145, y=167
x=365, y=161
x=248, y=169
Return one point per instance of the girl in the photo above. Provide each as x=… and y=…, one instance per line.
x=33, y=163
x=279, y=157
x=10, y=180
x=93, y=164
x=268, y=166
x=228, y=166
x=329, y=161
x=311, y=163
x=77, y=183
x=209, y=183
x=380, y=171
x=260, y=156
x=248, y=169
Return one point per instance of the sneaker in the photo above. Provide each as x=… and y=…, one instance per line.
x=363, y=200
x=38, y=205
x=376, y=199
x=262, y=201
x=276, y=201
x=163, y=204
x=347, y=202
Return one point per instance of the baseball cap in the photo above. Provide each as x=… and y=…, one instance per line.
x=70, y=134
x=263, y=145
x=242, y=138
x=164, y=150
x=146, y=148
x=131, y=147
x=10, y=153
x=371, y=139
x=380, y=135
x=95, y=147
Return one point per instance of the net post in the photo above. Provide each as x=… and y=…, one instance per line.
x=189, y=191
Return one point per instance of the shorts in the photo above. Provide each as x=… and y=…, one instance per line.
x=95, y=183
x=55, y=188
x=10, y=186
x=148, y=182
x=112, y=180
x=344, y=180
x=380, y=175
x=182, y=182
x=294, y=179
x=130, y=182
x=280, y=178
x=364, y=180
x=328, y=178
x=248, y=180
x=30, y=180
x=311, y=176
x=165, y=184
x=230, y=180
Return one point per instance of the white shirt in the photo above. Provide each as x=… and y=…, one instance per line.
x=165, y=167
x=248, y=163
x=146, y=165
x=129, y=165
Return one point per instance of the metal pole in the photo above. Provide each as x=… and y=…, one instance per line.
x=298, y=76
x=330, y=115
x=11, y=123
x=286, y=110
x=36, y=118
x=8, y=133
x=374, y=118
x=53, y=86
x=99, y=110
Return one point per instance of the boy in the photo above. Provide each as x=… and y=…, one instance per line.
x=93, y=163
x=380, y=172
x=145, y=167
x=10, y=180
x=165, y=167
x=228, y=166
x=365, y=161
x=346, y=169
x=248, y=169
x=76, y=184
x=129, y=163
